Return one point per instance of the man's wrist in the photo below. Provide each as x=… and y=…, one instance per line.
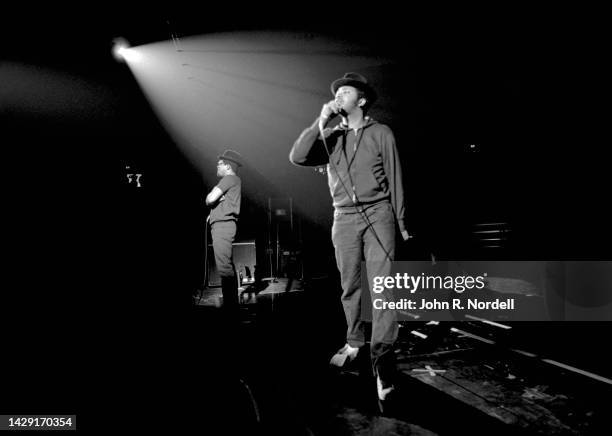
x=322, y=123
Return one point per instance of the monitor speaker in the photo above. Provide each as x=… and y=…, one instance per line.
x=244, y=255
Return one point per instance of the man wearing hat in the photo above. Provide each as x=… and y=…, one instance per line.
x=365, y=181
x=224, y=201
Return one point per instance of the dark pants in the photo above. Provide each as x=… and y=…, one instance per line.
x=355, y=243
x=223, y=233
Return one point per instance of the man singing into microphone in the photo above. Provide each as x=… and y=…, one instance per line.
x=365, y=181
x=224, y=201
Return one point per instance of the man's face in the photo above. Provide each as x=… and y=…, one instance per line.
x=222, y=168
x=347, y=98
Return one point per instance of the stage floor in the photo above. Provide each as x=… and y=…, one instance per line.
x=212, y=296
x=455, y=377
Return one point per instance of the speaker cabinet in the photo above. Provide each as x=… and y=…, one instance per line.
x=244, y=256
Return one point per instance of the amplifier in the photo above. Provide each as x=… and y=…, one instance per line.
x=244, y=256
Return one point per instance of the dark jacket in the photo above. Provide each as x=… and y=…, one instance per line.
x=366, y=163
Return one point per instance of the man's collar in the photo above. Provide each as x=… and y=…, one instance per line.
x=364, y=122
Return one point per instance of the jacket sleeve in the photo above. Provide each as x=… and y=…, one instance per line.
x=393, y=171
x=309, y=148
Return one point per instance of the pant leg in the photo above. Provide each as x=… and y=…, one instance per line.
x=379, y=253
x=223, y=234
x=348, y=247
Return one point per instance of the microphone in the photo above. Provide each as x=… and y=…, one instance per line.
x=339, y=104
x=336, y=109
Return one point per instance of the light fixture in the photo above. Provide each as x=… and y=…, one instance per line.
x=122, y=51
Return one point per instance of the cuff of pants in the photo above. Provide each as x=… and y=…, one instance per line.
x=383, y=363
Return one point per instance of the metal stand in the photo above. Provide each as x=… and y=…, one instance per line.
x=205, y=281
x=281, y=215
x=272, y=278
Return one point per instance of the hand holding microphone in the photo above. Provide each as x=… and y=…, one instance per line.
x=329, y=110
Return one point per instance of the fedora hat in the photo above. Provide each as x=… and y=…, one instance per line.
x=355, y=80
x=232, y=156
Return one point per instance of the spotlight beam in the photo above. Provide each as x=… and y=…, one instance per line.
x=251, y=101
x=235, y=111
x=262, y=81
x=285, y=52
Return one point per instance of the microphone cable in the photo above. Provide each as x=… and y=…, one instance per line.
x=354, y=198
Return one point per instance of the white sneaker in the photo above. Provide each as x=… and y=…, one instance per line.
x=345, y=353
x=383, y=392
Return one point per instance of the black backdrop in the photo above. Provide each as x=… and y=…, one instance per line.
x=98, y=271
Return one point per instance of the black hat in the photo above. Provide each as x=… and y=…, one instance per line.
x=355, y=80
x=232, y=156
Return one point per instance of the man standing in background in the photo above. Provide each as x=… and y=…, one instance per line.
x=224, y=201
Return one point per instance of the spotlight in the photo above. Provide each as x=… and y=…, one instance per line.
x=123, y=52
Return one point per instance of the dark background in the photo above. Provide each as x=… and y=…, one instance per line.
x=100, y=275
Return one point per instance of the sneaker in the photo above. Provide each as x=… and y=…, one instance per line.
x=383, y=391
x=346, y=353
